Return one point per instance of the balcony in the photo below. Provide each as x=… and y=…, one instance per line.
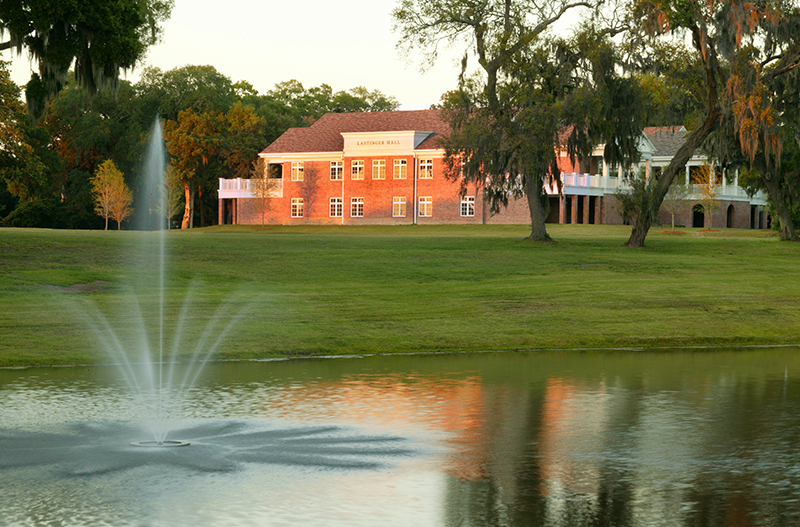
x=240, y=188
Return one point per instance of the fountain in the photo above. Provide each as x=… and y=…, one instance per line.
x=77, y=454
x=144, y=366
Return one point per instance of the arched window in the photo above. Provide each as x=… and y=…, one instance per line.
x=731, y=216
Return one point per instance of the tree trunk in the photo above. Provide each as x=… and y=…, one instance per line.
x=642, y=224
x=202, y=208
x=685, y=152
x=106, y=224
x=533, y=193
x=188, y=210
x=778, y=197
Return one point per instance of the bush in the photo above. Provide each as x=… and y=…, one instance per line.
x=43, y=213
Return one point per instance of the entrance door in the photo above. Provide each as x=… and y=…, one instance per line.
x=698, y=217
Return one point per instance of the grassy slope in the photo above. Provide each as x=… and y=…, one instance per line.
x=327, y=290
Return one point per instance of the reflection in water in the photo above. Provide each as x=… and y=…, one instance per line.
x=633, y=439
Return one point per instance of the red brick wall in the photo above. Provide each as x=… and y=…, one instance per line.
x=317, y=188
x=741, y=215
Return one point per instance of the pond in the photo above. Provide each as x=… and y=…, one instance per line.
x=514, y=439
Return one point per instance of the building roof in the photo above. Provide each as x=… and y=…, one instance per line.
x=325, y=135
x=666, y=139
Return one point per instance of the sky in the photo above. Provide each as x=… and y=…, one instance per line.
x=344, y=44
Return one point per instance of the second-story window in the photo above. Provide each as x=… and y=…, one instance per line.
x=426, y=168
x=297, y=171
x=357, y=169
x=378, y=169
x=400, y=168
x=337, y=170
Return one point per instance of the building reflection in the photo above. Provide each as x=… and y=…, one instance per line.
x=695, y=449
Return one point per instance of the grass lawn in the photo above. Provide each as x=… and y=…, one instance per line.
x=352, y=290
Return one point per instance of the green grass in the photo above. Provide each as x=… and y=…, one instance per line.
x=341, y=290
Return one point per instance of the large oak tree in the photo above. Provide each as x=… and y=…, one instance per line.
x=729, y=38
x=97, y=39
x=531, y=98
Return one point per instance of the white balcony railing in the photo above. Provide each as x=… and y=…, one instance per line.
x=241, y=188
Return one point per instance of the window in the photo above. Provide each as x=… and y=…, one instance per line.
x=400, y=168
x=468, y=206
x=337, y=170
x=357, y=169
x=425, y=206
x=297, y=207
x=426, y=168
x=379, y=169
x=399, y=207
x=297, y=171
x=336, y=208
x=356, y=207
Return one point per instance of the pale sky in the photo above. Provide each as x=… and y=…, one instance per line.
x=344, y=44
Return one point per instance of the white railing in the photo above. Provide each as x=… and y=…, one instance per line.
x=241, y=188
x=610, y=185
x=234, y=184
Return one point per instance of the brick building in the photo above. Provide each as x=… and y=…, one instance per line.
x=387, y=168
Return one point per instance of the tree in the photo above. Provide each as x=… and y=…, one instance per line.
x=83, y=132
x=310, y=189
x=676, y=200
x=100, y=38
x=761, y=130
x=310, y=104
x=244, y=138
x=173, y=192
x=262, y=187
x=21, y=168
x=112, y=196
x=763, y=35
x=532, y=99
x=197, y=88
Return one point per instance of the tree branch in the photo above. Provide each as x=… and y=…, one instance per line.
x=547, y=22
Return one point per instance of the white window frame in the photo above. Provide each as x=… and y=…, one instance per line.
x=337, y=170
x=425, y=206
x=357, y=169
x=426, y=168
x=378, y=169
x=467, y=206
x=335, y=207
x=400, y=169
x=297, y=171
x=356, y=207
x=297, y=208
x=399, y=207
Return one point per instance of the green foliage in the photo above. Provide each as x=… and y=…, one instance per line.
x=635, y=201
x=551, y=96
x=308, y=105
x=41, y=213
x=196, y=88
x=673, y=79
x=22, y=169
x=99, y=38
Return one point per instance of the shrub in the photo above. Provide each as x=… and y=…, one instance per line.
x=43, y=213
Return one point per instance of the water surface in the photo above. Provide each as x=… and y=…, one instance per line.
x=517, y=439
